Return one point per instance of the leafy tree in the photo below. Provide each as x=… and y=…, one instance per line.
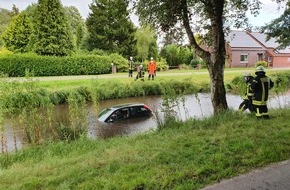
x=52, y=32
x=15, y=11
x=175, y=54
x=110, y=28
x=212, y=17
x=16, y=37
x=5, y=16
x=280, y=28
x=77, y=25
x=170, y=53
x=153, y=49
x=146, y=43
x=174, y=36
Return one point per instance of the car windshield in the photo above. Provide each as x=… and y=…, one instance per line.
x=104, y=112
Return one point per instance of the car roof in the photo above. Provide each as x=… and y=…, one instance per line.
x=126, y=105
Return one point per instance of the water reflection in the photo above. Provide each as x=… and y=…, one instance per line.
x=193, y=106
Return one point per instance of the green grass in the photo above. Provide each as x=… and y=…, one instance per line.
x=187, y=155
x=198, y=76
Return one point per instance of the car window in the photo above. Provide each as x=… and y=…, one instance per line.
x=120, y=114
x=139, y=111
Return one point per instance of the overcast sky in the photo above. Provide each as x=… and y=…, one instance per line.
x=269, y=11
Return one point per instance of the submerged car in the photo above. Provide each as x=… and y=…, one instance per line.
x=125, y=112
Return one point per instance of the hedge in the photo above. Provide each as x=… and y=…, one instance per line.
x=15, y=65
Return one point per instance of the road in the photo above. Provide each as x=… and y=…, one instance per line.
x=273, y=177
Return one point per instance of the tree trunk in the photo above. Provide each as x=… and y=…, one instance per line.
x=215, y=56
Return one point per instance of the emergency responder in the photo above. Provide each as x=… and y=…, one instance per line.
x=151, y=69
x=140, y=73
x=247, y=103
x=131, y=66
x=152, y=60
x=261, y=85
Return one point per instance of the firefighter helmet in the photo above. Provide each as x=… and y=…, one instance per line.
x=247, y=74
x=260, y=69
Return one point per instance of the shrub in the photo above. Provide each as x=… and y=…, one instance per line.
x=262, y=63
x=15, y=65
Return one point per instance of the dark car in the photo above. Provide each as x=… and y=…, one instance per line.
x=124, y=112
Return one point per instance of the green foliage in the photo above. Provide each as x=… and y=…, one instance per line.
x=146, y=41
x=279, y=28
x=52, y=31
x=6, y=17
x=261, y=63
x=17, y=35
x=76, y=25
x=176, y=55
x=188, y=155
x=16, y=64
x=110, y=28
x=119, y=61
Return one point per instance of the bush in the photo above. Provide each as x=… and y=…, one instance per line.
x=15, y=65
x=262, y=63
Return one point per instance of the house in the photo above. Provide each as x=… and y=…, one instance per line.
x=245, y=48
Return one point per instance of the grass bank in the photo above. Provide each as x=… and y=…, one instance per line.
x=187, y=155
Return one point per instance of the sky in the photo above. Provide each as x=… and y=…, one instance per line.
x=268, y=12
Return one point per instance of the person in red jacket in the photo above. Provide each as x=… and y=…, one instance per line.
x=151, y=69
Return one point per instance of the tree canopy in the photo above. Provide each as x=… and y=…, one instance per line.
x=110, y=28
x=52, y=31
x=146, y=43
x=209, y=17
x=76, y=25
x=17, y=35
x=280, y=28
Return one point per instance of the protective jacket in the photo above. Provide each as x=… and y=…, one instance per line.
x=249, y=91
x=151, y=68
x=261, y=85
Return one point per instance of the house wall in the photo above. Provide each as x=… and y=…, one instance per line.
x=281, y=61
x=235, y=58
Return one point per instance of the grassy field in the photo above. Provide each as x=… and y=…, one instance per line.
x=198, y=76
x=182, y=155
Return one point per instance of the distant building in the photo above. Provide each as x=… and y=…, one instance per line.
x=245, y=48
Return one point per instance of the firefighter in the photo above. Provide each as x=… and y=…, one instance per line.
x=261, y=85
x=131, y=66
x=140, y=73
x=151, y=69
x=247, y=103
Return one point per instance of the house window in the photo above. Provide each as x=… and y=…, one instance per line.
x=244, y=58
x=260, y=57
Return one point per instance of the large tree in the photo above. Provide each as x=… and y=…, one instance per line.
x=146, y=43
x=280, y=28
x=209, y=17
x=52, y=31
x=110, y=28
x=77, y=25
x=17, y=35
x=6, y=17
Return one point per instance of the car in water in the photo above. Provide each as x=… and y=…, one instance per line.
x=125, y=112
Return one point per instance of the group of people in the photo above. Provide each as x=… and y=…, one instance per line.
x=257, y=92
x=151, y=68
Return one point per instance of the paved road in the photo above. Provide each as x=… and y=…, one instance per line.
x=273, y=177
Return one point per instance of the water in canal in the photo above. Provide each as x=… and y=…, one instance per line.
x=194, y=106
